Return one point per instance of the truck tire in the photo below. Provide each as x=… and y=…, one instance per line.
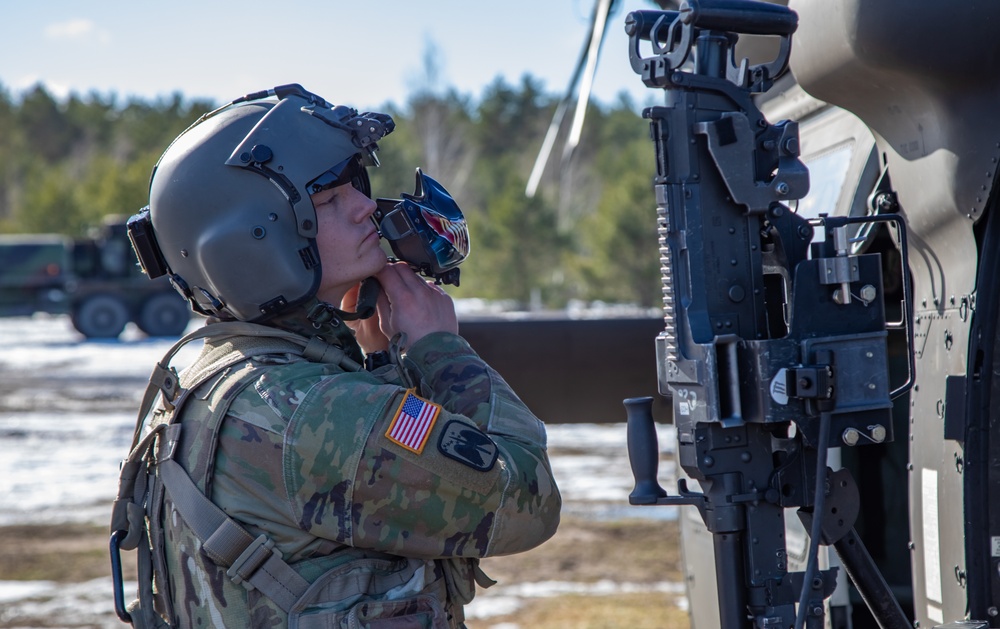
x=164, y=314
x=100, y=317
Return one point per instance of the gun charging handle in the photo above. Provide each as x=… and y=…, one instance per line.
x=643, y=451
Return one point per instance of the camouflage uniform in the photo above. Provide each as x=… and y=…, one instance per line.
x=303, y=455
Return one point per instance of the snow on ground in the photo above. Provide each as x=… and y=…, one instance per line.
x=62, y=465
x=60, y=450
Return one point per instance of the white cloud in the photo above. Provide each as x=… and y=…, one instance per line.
x=76, y=30
x=59, y=91
x=56, y=89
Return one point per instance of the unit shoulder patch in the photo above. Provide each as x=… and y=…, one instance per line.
x=468, y=446
x=413, y=422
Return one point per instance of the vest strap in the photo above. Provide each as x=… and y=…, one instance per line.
x=252, y=562
x=319, y=351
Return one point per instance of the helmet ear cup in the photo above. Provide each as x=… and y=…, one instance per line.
x=233, y=252
x=239, y=256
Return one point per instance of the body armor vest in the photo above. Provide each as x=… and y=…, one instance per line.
x=228, y=577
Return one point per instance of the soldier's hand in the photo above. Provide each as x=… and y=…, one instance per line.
x=412, y=305
x=368, y=332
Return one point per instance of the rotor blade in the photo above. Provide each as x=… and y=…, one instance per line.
x=543, y=154
x=553, y=131
x=601, y=13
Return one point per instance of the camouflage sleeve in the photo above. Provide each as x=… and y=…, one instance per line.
x=456, y=469
x=453, y=375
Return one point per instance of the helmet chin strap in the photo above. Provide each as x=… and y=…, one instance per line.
x=367, y=298
x=323, y=312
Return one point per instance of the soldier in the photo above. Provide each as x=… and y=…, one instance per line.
x=363, y=465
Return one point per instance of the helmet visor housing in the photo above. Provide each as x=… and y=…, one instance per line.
x=350, y=171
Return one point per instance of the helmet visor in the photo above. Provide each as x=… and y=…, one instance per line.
x=352, y=170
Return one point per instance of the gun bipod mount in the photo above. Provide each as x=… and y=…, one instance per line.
x=772, y=343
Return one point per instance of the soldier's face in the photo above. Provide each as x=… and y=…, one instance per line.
x=347, y=240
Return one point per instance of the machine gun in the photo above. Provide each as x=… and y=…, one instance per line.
x=775, y=339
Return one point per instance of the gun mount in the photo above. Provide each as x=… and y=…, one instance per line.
x=774, y=346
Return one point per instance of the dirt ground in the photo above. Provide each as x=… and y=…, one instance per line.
x=633, y=552
x=629, y=553
x=594, y=574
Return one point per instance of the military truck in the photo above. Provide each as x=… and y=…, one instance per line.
x=95, y=280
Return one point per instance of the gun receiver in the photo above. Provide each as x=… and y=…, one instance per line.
x=774, y=345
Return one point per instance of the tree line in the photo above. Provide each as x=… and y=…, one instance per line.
x=589, y=233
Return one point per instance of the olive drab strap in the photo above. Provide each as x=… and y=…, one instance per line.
x=150, y=471
x=128, y=531
x=250, y=561
x=164, y=379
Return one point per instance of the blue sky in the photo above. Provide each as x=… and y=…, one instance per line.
x=363, y=53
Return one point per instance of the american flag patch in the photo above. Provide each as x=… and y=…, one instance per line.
x=413, y=422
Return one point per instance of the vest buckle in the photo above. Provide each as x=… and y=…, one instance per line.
x=251, y=559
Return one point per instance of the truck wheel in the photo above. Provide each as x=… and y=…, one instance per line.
x=164, y=314
x=100, y=317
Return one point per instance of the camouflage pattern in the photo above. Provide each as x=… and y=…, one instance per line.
x=301, y=455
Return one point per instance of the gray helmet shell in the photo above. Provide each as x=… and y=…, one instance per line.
x=229, y=200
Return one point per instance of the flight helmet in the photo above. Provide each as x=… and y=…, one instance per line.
x=230, y=219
